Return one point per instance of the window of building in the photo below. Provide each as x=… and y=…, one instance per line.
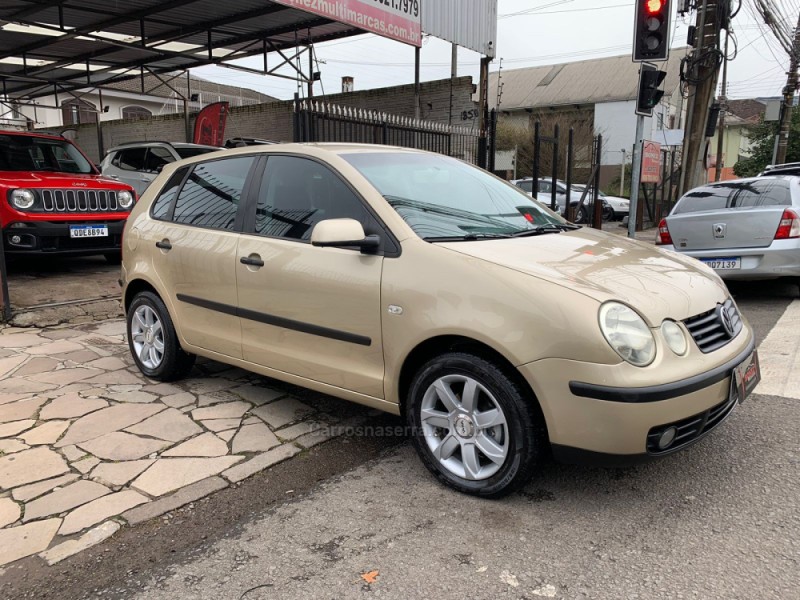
x=135, y=112
x=77, y=111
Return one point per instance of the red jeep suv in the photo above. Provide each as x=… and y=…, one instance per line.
x=53, y=200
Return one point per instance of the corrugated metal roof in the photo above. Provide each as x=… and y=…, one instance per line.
x=85, y=43
x=469, y=23
x=586, y=82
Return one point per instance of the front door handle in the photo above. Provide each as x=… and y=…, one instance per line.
x=164, y=245
x=252, y=261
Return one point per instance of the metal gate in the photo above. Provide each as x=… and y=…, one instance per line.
x=320, y=121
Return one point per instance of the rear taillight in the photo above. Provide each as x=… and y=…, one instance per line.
x=789, y=226
x=663, y=238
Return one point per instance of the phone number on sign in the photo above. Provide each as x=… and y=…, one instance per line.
x=410, y=7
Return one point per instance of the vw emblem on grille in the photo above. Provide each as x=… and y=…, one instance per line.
x=727, y=321
x=719, y=230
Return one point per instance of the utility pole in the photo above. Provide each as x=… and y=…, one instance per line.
x=723, y=106
x=702, y=80
x=788, y=99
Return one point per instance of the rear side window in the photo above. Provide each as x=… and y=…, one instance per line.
x=211, y=195
x=711, y=197
x=526, y=186
x=131, y=159
x=766, y=192
x=157, y=158
x=160, y=208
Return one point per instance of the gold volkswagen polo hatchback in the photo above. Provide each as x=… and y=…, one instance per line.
x=423, y=286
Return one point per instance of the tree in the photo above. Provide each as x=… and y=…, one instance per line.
x=762, y=138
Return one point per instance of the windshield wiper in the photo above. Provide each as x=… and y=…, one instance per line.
x=544, y=229
x=396, y=201
x=468, y=237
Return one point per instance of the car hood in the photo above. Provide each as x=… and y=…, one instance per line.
x=46, y=179
x=657, y=283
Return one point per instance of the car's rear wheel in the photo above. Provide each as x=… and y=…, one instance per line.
x=474, y=427
x=153, y=341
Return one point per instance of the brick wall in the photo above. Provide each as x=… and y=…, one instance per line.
x=274, y=120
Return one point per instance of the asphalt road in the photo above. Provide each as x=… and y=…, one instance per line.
x=361, y=517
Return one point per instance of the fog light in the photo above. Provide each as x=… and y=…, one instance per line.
x=15, y=239
x=666, y=439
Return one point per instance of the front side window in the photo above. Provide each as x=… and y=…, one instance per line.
x=441, y=197
x=211, y=195
x=526, y=186
x=297, y=193
x=27, y=153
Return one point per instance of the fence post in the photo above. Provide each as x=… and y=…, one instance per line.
x=537, y=146
x=596, y=203
x=296, y=118
x=553, y=201
x=492, y=139
x=384, y=133
x=569, y=213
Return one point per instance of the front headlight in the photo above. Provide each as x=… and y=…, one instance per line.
x=125, y=199
x=627, y=333
x=22, y=199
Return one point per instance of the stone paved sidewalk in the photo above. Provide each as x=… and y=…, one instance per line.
x=87, y=444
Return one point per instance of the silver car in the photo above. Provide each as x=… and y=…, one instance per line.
x=743, y=229
x=139, y=163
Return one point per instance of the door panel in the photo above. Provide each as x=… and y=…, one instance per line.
x=312, y=312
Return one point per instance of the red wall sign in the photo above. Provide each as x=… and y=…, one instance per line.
x=651, y=163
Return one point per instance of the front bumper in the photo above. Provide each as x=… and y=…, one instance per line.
x=589, y=421
x=780, y=259
x=53, y=237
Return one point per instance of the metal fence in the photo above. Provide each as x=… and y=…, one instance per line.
x=320, y=121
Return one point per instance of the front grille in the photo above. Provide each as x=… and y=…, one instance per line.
x=79, y=201
x=709, y=330
x=692, y=428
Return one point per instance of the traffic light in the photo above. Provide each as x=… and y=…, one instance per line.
x=649, y=95
x=651, y=30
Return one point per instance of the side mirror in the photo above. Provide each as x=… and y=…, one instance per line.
x=343, y=233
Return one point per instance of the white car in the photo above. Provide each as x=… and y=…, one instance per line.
x=620, y=206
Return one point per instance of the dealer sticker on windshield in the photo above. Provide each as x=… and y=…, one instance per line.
x=746, y=376
x=84, y=231
x=724, y=264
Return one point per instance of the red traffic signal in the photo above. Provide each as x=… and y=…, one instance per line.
x=651, y=30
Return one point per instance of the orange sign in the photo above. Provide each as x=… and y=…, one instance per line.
x=651, y=163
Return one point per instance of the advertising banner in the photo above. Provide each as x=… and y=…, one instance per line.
x=395, y=19
x=651, y=163
x=209, y=126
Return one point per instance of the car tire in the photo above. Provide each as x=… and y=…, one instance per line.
x=153, y=341
x=488, y=446
x=582, y=216
x=609, y=214
x=113, y=258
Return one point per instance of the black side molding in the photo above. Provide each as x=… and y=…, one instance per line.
x=251, y=315
x=655, y=393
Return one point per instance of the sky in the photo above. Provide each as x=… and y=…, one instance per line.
x=530, y=33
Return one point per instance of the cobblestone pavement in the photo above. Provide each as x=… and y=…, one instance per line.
x=88, y=445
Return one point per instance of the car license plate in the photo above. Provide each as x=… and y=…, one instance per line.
x=724, y=264
x=84, y=231
x=746, y=376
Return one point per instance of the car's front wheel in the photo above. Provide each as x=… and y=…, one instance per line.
x=153, y=341
x=474, y=427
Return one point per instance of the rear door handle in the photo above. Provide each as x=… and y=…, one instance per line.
x=114, y=176
x=164, y=245
x=252, y=261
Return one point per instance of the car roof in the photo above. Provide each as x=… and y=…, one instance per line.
x=149, y=143
x=35, y=134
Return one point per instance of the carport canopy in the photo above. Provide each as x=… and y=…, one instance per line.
x=66, y=45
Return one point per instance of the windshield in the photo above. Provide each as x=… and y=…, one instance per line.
x=26, y=153
x=442, y=198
